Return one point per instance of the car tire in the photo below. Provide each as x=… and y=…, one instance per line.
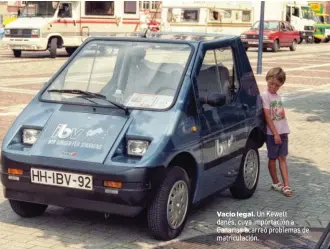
x=248, y=177
x=53, y=47
x=17, y=53
x=27, y=209
x=326, y=40
x=293, y=46
x=317, y=41
x=264, y=49
x=159, y=212
x=246, y=48
x=276, y=46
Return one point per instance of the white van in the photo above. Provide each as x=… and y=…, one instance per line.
x=49, y=25
x=206, y=17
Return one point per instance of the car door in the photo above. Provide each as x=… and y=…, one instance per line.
x=290, y=33
x=222, y=127
x=283, y=35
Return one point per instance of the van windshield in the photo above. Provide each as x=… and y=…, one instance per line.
x=38, y=9
x=133, y=74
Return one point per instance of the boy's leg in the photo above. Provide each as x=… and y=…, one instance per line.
x=272, y=170
x=272, y=150
x=283, y=152
x=284, y=170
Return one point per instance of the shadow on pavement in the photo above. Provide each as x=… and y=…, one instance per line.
x=262, y=241
x=315, y=105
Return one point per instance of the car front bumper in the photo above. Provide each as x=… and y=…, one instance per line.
x=306, y=35
x=255, y=43
x=130, y=200
x=25, y=44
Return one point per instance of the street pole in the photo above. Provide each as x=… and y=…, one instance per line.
x=261, y=37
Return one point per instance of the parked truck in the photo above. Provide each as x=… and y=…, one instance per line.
x=298, y=13
x=322, y=25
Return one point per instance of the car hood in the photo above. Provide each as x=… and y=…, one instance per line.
x=29, y=22
x=80, y=136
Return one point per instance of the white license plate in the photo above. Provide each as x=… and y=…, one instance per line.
x=254, y=42
x=61, y=179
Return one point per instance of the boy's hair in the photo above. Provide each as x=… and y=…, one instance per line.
x=276, y=73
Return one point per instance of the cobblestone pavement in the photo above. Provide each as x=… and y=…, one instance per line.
x=307, y=97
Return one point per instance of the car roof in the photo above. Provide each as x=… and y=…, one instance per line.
x=191, y=37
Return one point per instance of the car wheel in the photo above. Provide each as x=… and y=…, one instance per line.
x=27, y=209
x=317, y=41
x=247, y=179
x=276, y=46
x=293, y=47
x=246, y=48
x=167, y=213
x=326, y=40
x=53, y=47
x=17, y=53
x=264, y=49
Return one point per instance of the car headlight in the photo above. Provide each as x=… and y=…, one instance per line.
x=137, y=147
x=30, y=136
x=7, y=31
x=243, y=36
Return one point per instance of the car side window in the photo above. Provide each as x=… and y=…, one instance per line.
x=218, y=74
x=288, y=27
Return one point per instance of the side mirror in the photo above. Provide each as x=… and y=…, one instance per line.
x=214, y=99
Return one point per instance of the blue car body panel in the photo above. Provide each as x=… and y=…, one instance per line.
x=77, y=138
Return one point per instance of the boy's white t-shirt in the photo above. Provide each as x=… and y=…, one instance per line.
x=274, y=103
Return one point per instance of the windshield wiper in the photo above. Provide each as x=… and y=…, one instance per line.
x=87, y=95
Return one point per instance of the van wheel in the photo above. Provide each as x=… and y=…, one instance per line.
x=167, y=213
x=276, y=46
x=317, y=41
x=27, y=209
x=247, y=180
x=293, y=46
x=17, y=53
x=53, y=47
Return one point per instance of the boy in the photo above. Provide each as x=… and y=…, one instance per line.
x=277, y=129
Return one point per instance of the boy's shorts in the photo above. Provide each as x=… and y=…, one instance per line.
x=276, y=150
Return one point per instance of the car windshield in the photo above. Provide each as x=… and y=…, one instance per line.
x=38, y=9
x=131, y=73
x=268, y=25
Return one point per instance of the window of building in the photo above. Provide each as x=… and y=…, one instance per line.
x=155, y=5
x=246, y=16
x=144, y=5
x=99, y=8
x=130, y=7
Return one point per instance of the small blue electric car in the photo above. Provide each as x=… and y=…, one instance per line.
x=137, y=123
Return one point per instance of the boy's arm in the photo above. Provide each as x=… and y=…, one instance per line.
x=270, y=121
